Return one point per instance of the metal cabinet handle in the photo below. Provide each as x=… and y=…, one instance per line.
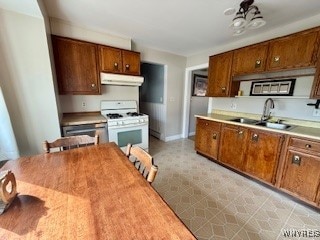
x=116, y=65
x=296, y=160
x=240, y=132
x=308, y=146
x=214, y=136
x=258, y=63
x=127, y=66
x=93, y=85
x=255, y=137
x=276, y=59
x=223, y=89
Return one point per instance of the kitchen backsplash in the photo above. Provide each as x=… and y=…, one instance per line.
x=288, y=107
x=89, y=103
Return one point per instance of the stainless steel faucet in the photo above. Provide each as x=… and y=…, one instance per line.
x=266, y=109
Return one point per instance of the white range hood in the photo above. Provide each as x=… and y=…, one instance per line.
x=118, y=79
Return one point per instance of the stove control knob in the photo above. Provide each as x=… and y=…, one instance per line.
x=142, y=120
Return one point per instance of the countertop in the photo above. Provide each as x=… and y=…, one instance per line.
x=70, y=119
x=309, y=130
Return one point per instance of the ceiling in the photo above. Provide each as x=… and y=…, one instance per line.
x=183, y=27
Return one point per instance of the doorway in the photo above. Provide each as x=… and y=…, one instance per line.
x=152, y=96
x=198, y=100
x=187, y=100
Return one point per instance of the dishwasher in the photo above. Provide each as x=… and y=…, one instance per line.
x=87, y=129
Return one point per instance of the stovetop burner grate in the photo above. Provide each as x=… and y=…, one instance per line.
x=114, y=115
x=134, y=114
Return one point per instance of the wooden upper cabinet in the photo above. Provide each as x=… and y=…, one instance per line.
x=115, y=60
x=76, y=65
x=315, y=93
x=131, y=62
x=251, y=59
x=263, y=154
x=295, y=51
x=110, y=59
x=219, y=75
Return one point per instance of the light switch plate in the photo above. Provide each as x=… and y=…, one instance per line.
x=316, y=112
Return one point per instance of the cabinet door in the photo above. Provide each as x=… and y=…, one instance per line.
x=110, y=59
x=219, y=75
x=295, y=51
x=315, y=92
x=250, y=59
x=131, y=62
x=232, y=146
x=301, y=174
x=76, y=66
x=207, y=137
x=263, y=154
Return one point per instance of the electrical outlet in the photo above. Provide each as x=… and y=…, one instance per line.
x=316, y=112
x=233, y=106
x=84, y=104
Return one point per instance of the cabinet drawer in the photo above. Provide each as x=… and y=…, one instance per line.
x=304, y=144
x=214, y=126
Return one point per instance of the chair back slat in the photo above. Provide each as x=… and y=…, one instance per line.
x=143, y=161
x=71, y=142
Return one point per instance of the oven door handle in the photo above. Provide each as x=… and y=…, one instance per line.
x=128, y=126
x=83, y=131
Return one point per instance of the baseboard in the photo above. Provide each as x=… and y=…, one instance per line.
x=155, y=134
x=174, y=137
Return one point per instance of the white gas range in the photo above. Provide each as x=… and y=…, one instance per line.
x=124, y=123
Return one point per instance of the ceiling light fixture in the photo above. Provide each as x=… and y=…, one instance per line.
x=240, y=21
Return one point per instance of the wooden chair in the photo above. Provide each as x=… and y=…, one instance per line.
x=143, y=161
x=71, y=142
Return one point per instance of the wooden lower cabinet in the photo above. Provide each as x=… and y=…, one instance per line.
x=232, y=145
x=293, y=167
x=207, y=137
x=262, y=155
x=301, y=171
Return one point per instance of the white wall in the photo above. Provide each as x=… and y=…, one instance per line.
x=63, y=28
x=73, y=103
x=175, y=66
x=26, y=80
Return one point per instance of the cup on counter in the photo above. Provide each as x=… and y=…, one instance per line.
x=240, y=93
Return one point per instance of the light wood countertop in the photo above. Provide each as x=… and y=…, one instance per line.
x=92, y=192
x=70, y=119
x=299, y=131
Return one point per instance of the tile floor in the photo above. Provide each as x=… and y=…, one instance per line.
x=216, y=203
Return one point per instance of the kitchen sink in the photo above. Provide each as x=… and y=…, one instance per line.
x=279, y=126
x=244, y=120
x=272, y=125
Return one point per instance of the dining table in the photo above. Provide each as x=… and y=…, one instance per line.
x=91, y=192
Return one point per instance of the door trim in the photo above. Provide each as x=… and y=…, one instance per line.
x=187, y=97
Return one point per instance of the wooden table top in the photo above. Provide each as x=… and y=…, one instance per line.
x=86, y=193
